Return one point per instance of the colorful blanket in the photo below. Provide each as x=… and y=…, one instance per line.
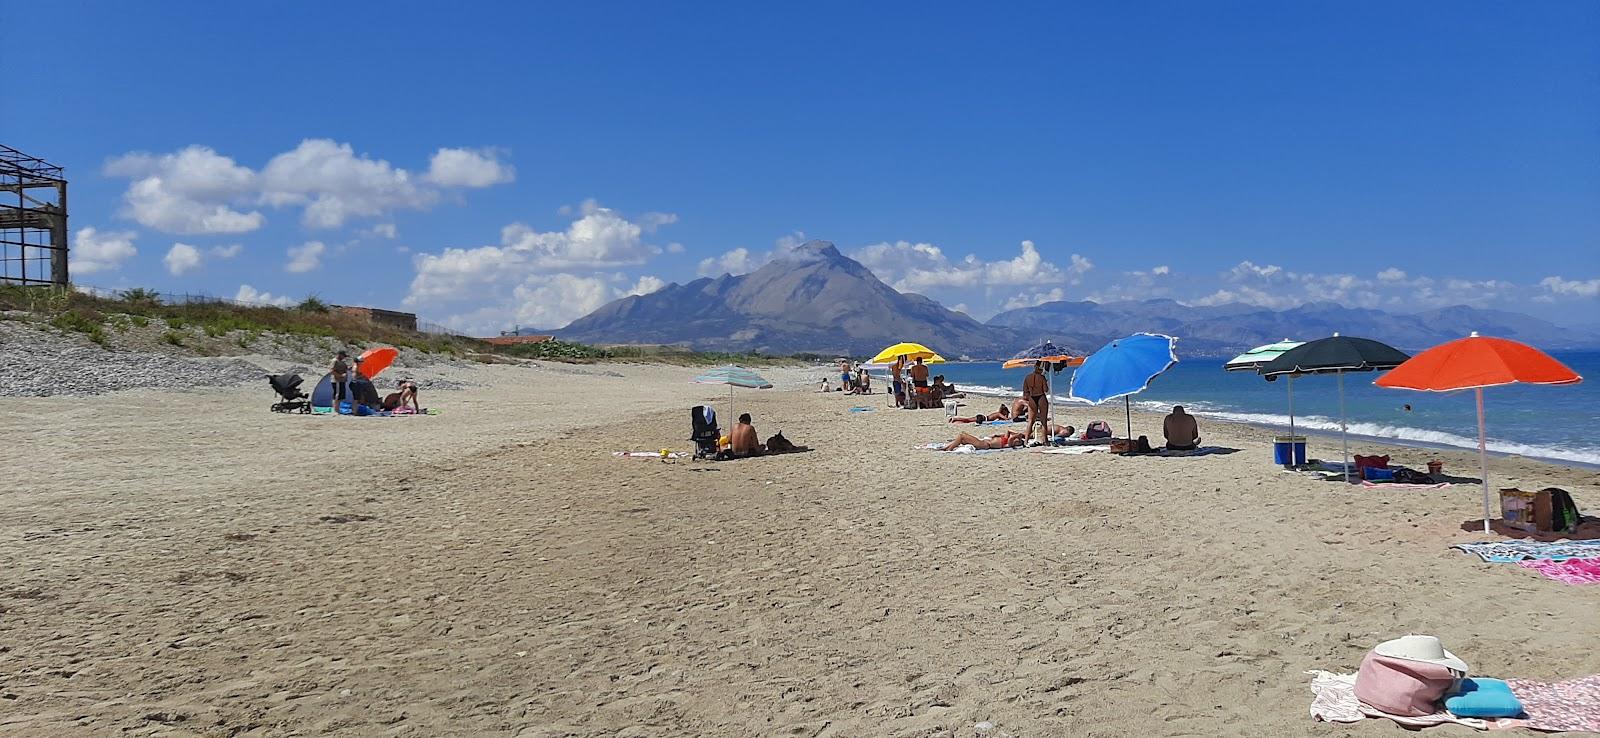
x=1567, y=571
x=1334, y=700
x=1506, y=552
x=649, y=454
x=1572, y=705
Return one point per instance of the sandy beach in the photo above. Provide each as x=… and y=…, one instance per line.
x=189, y=564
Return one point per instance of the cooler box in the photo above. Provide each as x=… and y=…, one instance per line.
x=1517, y=509
x=1289, y=450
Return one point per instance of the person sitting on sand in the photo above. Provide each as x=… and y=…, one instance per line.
x=743, y=441
x=863, y=382
x=1004, y=413
x=944, y=389
x=1181, y=430
x=1005, y=439
x=407, y=395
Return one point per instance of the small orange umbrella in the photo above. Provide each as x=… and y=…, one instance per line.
x=1473, y=363
x=1062, y=359
x=373, y=361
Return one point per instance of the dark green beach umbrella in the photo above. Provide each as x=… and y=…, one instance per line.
x=1336, y=355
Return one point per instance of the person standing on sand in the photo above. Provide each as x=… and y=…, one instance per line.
x=896, y=372
x=341, y=379
x=1036, y=391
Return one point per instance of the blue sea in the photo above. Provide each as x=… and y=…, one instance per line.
x=1556, y=423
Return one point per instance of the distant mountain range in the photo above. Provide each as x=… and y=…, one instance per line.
x=815, y=299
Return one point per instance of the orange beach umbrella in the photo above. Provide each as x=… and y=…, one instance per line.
x=373, y=361
x=1473, y=363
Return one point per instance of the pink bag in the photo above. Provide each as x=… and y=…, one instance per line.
x=1401, y=686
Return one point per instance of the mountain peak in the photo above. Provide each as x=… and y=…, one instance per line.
x=812, y=250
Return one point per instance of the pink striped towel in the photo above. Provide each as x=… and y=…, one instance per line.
x=1570, y=571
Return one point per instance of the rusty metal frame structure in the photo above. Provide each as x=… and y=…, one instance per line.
x=33, y=220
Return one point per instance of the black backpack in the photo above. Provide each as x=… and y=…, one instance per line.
x=1564, y=515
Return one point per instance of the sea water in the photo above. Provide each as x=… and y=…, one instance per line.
x=1560, y=423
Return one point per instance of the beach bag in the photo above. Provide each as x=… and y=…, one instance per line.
x=1371, y=462
x=1562, y=514
x=1097, y=429
x=777, y=444
x=1402, y=686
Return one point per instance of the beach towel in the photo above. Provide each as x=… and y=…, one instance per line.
x=1070, y=450
x=649, y=454
x=1400, y=485
x=1506, y=552
x=1567, y=571
x=1572, y=705
x=962, y=449
x=1334, y=700
x=861, y=409
x=1202, y=451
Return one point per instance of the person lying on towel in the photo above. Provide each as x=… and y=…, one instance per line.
x=1004, y=413
x=1181, y=430
x=999, y=440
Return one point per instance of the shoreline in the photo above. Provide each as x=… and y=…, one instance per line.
x=1406, y=443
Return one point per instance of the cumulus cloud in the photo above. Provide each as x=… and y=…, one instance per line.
x=1162, y=270
x=93, y=251
x=226, y=252
x=915, y=267
x=382, y=230
x=1571, y=287
x=736, y=261
x=1392, y=274
x=1030, y=299
x=468, y=168
x=647, y=284
x=250, y=294
x=190, y=191
x=542, y=279
x=305, y=257
x=181, y=259
x=196, y=190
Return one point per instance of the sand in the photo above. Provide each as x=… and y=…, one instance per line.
x=190, y=564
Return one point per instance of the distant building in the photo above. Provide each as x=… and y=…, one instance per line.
x=504, y=340
x=391, y=318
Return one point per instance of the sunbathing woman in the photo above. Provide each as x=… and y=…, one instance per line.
x=1006, y=439
x=1004, y=413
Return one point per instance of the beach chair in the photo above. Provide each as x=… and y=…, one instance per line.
x=704, y=433
x=288, y=388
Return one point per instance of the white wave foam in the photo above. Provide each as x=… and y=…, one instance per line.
x=1417, y=435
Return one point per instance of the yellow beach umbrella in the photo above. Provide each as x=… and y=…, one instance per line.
x=912, y=352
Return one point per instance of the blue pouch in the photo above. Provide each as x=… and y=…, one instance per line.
x=1483, y=698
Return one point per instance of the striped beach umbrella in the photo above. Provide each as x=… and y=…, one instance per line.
x=733, y=376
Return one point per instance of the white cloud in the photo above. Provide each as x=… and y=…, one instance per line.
x=382, y=230
x=468, y=168
x=250, y=294
x=305, y=257
x=920, y=266
x=1392, y=274
x=334, y=184
x=675, y=248
x=93, y=251
x=1248, y=270
x=196, y=190
x=181, y=259
x=737, y=261
x=1024, y=300
x=226, y=252
x=646, y=285
x=652, y=220
x=190, y=191
x=1571, y=287
x=1162, y=270
x=539, y=279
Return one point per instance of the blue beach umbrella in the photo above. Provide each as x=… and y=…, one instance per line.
x=1122, y=368
x=733, y=376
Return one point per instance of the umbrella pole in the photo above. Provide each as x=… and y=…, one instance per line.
x=1483, y=461
x=1344, y=428
x=1127, y=409
x=1291, y=414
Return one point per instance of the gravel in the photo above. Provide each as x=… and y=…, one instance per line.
x=42, y=363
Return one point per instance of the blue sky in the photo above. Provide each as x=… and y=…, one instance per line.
x=525, y=164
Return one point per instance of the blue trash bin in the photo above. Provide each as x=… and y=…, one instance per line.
x=1289, y=450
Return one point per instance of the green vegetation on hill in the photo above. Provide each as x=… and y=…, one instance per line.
x=91, y=315
x=559, y=350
